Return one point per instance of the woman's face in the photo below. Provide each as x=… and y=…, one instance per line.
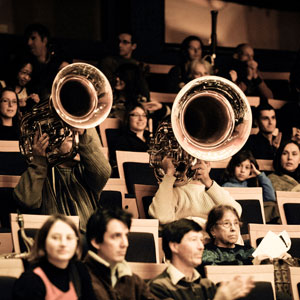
x=199, y=71
x=290, y=157
x=227, y=230
x=8, y=105
x=24, y=75
x=194, y=50
x=137, y=120
x=243, y=170
x=61, y=244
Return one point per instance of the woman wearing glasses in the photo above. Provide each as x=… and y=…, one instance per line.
x=55, y=272
x=223, y=227
x=9, y=115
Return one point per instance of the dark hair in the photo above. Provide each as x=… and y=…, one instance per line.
x=216, y=214
x=239, y=48
x=279, y=170
x=175, y=231
x=237, y=159
x=185, y=46
x=39, y=248
x=263, y=106
x=16, y=118
x=97, y=223
x=16, y=66
x=128, y=111
x=133, y=38
x=42, y=30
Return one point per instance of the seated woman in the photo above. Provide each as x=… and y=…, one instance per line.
x=9, y=115
x=223, y=227
x=286, y=176
x=19, y=80
x=243, y=171
x=56, y=272
x=134, y=136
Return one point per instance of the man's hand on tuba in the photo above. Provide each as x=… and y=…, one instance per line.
x=40, y=144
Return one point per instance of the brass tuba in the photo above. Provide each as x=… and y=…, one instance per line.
x=211, y=120
x=81, y=97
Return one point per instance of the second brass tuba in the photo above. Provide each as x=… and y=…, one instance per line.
x=211, y=120
x=81, y=97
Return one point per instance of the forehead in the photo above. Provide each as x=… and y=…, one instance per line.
x=291, y=147
x=194, y=44
x=247, y=50
x=245, y=162
x=192, y=234
x=138, y=109
x=116, y=226
x=200, y=68
x=8, y=95
x=34, y=34
x=28, y=66
x=267, y=113
x=125, y=36
x=61, y=227
x=228, y=214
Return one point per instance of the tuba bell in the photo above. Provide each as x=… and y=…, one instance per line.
x=211, y=120
x=81, y=97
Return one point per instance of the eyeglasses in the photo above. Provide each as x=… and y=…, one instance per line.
x=59, y=238
x=228, y=224
x=6, y=101
x=138, y=116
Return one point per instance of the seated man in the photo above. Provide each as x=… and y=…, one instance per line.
x=112, y=278
x=264, y=144
x=194, y=199
x=72, y=187
x=183, y=246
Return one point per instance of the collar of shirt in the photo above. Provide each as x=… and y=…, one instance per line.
x=176, y=275
x=117, y=271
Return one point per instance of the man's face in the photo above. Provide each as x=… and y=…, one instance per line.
x=115, y=242
x=190, y=249
x=36, y=44
x=125, y=45
x=267, y=121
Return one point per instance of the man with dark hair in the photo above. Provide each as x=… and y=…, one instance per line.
x=264, y=144
x=183, y=246
x=110, y=64
x=112, y=278
x=47, y=61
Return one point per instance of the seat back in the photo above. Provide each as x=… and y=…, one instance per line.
x=218, y=168
x=108, y=123
x=250, y=198
x=134, y=168
x=146, y=226
x=144, y=194
x=6, y=287
x=31, y=224
x=13, y=267
x=258, y=231
x=259, y=273
x=289, y=207
x=147, y=271
x=295, y=282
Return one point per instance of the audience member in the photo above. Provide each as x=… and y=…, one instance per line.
x=200, y=68
x=19, y=80
x=126, y=46
x=194, y=199
x=243, y=171
x=286, y=176
x=47, y=60
x=264, y=144
x=190, y=50
x=9, y=115
x=56, y=272
x=112, y=278
x=128, y=89
x=223, y=227
x=243, y=70
x=183, y=246
x=70, y=188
